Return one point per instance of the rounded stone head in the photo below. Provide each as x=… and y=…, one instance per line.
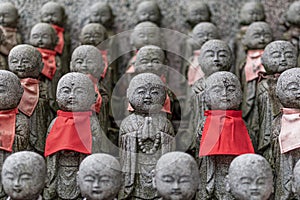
x=293, y=13
x=87, y=59
x=151, y=59
x=75, y=92
x=250, y=177
x=9, y=16
x=148, y=11
x=101, y=13
x=146, y=93
x=146, y=33
x=42, y=35
x=296, y=179
x=11, y=90
x=99, y=177
x=203, y=32
x=223, y=91
x=252, y=11
x=25, y=61
x=93, y=34
x=258, y=35
x=53, y=13
x=176, y=176
x=288, y=88
x=279, y=56
x=215, y=56
x=197, y=12
x=24, y=175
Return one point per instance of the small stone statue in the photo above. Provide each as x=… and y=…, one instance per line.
x=99, y=177
x=14, y=126
x=87, y=59
x=256, y=38
x=148, y=11
x=24, y=176
x=176, y=176
x=145, y=135
x=72, y=135
x=53, y=13
x=250, y=177
x=43, y=37
x=3, y=57
x=296, y=179
x=224, y=134
x=26, y=62
x=9, y=26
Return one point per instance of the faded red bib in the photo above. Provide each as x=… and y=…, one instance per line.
x=30, y=96
x=195, y=72
x=7, y=128
x=10, y=40
x=70, y=131
x=97, y=105
x=253, y=64
x=225, y=133
x=60, y=34
x=105, y=60
x=48, y=57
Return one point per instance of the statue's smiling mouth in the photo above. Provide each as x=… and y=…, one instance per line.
x=147, y=101
x=97, y=191
x=17, y=190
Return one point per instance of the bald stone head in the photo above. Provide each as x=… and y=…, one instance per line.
x=99, y=177
x=197, y=12
x=252, y=11
x=101, y=13
x=43, y=35
x=279, y=56
x=9, y=15
x=93, y=34
x=53, y=13
x=24, y=175
x=203, y=32
x=215, y=55
x=250, y=177
x=87, y=59
x=148, y=11
x=176, y=176
x=293, y=14
x=25, y=61
x=75, y=92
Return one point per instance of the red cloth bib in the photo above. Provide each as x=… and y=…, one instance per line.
x=253, y=64
x=7, y=128
x=60, y=34
x=70, y=131
x=49, y=62
x=131, y=69
x=195, y=72
x=10, y=40
x=30, y=96
x=225, y=133
x=105, y=60
x=97, y=105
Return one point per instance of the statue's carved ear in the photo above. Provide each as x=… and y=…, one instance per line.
x=153, y=179
x=227, y=186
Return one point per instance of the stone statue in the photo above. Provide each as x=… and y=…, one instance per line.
x=99, y=177
x=284, y=136
x=43, y=37
x=148, y=11
x=87, y=59
x=224, y=134
x=9, y=26
x=256, y=38
x=250, y=177
x=54, y=14
x=14, y=126
x=176, y=176
x=3, y=57
x=251, y=11
x=145, y=135
x=24, y=176
x=72, y=135
x=26, y=62
x=296, y=181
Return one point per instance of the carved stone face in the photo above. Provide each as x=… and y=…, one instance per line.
x=150, y=59
x=100, y=13
x=53, y=13
x=23, y=175
x=148, y=11
x=176, y=177
x=8, y=15
x=198, y=12
x=92, y=34
x=252, y=12
x=25, y=61
x=258, y=35
x=99, y=177
x=11, y=90
x=75, y=93
x=215, y=56
x=293, y=13
x=203, y=32
x=146, y=93
x=87, y=59
x=146, y=33
x=250, y=177
x=42, y=35
x=279, y=56
x=223, y=91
